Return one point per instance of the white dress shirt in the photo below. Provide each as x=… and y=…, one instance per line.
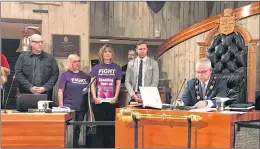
x=143, y=73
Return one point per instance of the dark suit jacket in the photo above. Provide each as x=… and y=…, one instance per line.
x=123, y=73
x=189, y=96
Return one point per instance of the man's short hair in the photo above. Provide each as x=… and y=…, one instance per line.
x=140, y=42
x=204, y=61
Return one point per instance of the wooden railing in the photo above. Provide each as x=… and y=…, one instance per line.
x=204, y=26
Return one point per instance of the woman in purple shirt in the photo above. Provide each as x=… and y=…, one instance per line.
x=70, y=94
x=105, y=90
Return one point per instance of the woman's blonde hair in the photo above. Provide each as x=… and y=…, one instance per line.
x=70, y=59
x=102, y=51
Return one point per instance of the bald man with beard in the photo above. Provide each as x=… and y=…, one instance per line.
x=36, y=71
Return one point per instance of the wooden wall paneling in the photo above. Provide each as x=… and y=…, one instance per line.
x=83, y=30
x=204, y=26
x=4, y=12
x=181, y=66
x=111, y=18
x=27, y=11
x=66, y=18
x=186, y=17
x=100, y=26
x=117, y=19
x=124, y=18
x=151, y=22
x=168, y=12
x=187, y=59
x=173, y=75
x=139, y=21
x=175, y=72
x=191, y=46
x=192, y=13
x=92, y=19
x=58, y=22
x=135, y=24
x=16, y=13
x=45, y=25
x=202, y=10
x=157, y=21
x=128, y=18
x=107, y=18
x=145, y=18
x=111, y=22
x=254, y=30
x=175, y=17
x=165, y=22
x=54, y=24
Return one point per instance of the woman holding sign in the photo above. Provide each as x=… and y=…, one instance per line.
x=105, y=90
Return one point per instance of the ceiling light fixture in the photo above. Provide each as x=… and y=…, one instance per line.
x=104, y=40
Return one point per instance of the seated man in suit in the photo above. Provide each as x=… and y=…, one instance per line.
x=200, y=91
x=142, y=71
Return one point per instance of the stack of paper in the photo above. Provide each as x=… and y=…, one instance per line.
x=60, y=109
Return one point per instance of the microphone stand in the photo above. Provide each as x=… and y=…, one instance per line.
x=87, y=90
x=8, y=94
x=174, y=105
x=3, y=96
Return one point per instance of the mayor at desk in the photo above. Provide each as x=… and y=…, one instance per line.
x=200, y=91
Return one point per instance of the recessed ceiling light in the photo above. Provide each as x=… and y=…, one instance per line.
x=104, y=40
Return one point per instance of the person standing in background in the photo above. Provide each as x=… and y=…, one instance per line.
x=105, y=90
x=70, y=94
x=131, y=55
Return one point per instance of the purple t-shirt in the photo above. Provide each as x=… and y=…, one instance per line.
x=73, y=84
x=106, y=75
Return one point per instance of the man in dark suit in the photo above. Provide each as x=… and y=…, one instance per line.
x=200, y=91
x=131, y=55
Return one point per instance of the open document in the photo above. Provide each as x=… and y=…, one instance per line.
x=151, y=97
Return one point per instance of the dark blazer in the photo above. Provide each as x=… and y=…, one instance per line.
x=219, y=89
x=123, y=73
x=25, y=69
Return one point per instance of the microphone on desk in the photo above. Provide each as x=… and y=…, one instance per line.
x=85, y=90
x=174, y=105
x=6, y=101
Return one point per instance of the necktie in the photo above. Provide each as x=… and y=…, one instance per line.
x=140, y=74
x=203, y=86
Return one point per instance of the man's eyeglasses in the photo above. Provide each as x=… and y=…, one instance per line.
x=203, y=71
x=37, y=42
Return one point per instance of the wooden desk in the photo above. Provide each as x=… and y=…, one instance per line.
x=34, y=130
x=215, y=130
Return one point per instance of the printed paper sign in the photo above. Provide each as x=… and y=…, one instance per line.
x=105, y=89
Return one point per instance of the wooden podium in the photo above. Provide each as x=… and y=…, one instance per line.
x=214, y=130
x=34, y=130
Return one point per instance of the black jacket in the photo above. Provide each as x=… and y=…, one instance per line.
x=41, y=70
